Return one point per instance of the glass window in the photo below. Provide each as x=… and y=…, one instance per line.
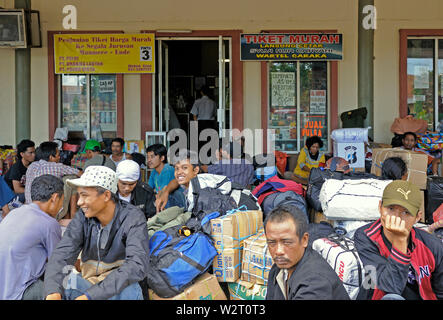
x=89, y=105
x=420, y=79
x=440, y=83
x=298, y=108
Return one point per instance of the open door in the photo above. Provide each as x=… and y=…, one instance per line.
x=161, y=112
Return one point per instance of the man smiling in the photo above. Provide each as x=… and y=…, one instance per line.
x=112, y=238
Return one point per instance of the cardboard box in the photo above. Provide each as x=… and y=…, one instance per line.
x=256, y=260
x=353, y=152
x=242, y=290
x=317, y=217
x=205, y=288
x=230, y=231
x=416, y=163
x=227, y=264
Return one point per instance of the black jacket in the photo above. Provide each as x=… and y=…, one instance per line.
x=143, y=197
x=313, y=279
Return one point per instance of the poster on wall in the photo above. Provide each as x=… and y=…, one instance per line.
x=317, y=102
x=421, y=79
x=283, y=89
x=291, y=47
x=104, y=53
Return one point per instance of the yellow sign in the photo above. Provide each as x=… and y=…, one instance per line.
x=104, y=53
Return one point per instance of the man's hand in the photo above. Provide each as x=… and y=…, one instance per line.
x=54, y=296
x=397, y=228
x=83, y=297
x=161, y=200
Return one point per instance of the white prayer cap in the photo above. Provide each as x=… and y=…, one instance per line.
x=128, y=170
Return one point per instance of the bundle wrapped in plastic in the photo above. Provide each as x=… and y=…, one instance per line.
x=350, y=135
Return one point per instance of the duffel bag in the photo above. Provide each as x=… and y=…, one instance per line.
x=354, y=118
x=178, y=256
x=341, y=254
x=352, y=199
x=284, y=198
x=318, y=176
x=409, y=124
x=211, y=192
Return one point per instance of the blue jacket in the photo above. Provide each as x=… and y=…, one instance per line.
x=112, y=258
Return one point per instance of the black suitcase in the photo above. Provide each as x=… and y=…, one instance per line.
x=354, y=118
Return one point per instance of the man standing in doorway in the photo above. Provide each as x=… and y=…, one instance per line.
x=204, y=111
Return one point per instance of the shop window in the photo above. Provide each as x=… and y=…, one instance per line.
x=425, y=80
x=89, y=105
x=298, y=103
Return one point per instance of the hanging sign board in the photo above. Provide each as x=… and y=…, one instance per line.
x=291, y=47
x=104, y=53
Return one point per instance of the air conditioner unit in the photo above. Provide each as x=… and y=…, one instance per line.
x=20, y=28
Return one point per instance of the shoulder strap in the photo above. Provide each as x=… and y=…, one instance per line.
x=104, y=159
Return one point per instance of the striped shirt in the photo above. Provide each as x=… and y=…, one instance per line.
x=237, y=170
x=39, y=168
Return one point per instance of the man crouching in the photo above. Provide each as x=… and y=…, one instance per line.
x=113, y=240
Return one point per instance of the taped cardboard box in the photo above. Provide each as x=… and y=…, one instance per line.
x=205, y=288
x=227, y=264
x=416, y=163
x=243, y=290
x=231, y=230
x=256, y=260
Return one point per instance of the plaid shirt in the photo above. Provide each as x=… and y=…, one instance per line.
x=237, y=170
x=39, y=168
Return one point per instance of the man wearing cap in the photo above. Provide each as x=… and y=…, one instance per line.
x=131, y=190
x=112, y=238
x=407, y=262
x=92, y=149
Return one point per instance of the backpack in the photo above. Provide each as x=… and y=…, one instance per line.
x=215, y=193
x=287, y=198
x=275, y=184
x=176, y=260
x=339, y=251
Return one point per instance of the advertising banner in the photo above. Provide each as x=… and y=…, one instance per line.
x=104, y=53
x=291, y=47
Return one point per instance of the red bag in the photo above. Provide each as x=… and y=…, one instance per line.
x=281, y=159
x=409, y=124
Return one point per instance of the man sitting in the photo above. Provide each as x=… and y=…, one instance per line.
x=299, y=272
x=48, y=163
x=132, y=190
x=162, y=174
x=117, y=145
x=113, y=240
x=28, y=236
x=94, y=158
x=16, y=175
x=231, y=165
x=408, y=261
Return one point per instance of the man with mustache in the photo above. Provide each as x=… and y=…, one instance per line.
x=299, y=272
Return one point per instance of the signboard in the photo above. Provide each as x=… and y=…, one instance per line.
x=106, y=86
x=104, y=53
x=290, y=47
x=283, y=89
x=317, y=102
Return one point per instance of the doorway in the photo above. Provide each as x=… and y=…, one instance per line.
x=184, y=65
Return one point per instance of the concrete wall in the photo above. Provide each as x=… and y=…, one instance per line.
x=394, y=15
x=247, y=15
